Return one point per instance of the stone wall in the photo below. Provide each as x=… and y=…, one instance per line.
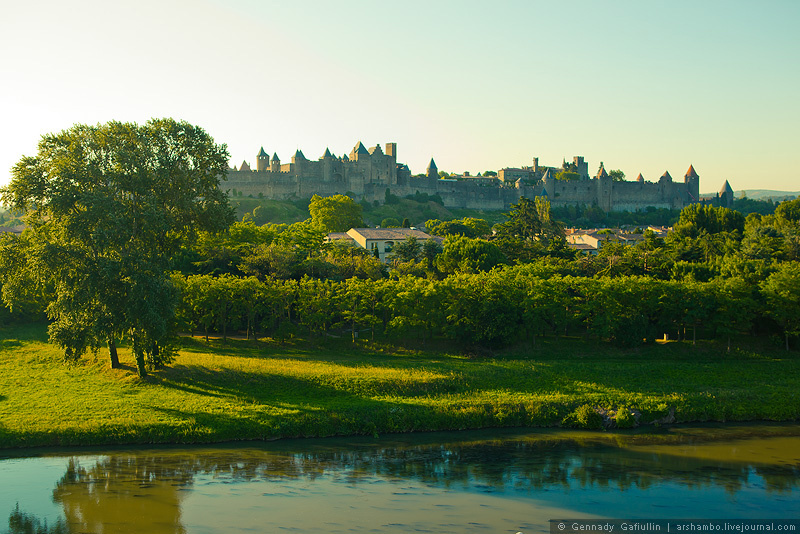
x=367, y=175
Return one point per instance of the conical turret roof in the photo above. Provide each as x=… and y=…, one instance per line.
x=666, y=176
x=726, y=189
x=299, y=154
x=640, y=178
x=690, y=173
x=275, y=157
x=262, y=154
x=601, y=172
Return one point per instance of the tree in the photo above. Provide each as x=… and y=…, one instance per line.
x=617, y=175
x=407, y=250
x=782, y=293
x=107, y=208
x=465, y=255
x=698, y=217
x=337, y=213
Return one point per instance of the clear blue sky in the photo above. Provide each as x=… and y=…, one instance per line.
x=642, y=86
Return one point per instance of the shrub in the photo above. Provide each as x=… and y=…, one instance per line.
x=585, y=416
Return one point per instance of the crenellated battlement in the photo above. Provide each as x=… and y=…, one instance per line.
x=367, y=173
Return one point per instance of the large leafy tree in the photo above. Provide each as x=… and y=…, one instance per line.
x=337, y=213
x=107, y=207
x=782, y=293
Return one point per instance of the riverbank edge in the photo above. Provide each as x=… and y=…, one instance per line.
x=345, y=390
x=45, y=440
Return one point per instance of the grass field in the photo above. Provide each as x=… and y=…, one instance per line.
x=262, y=390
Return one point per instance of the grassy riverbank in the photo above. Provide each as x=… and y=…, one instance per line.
x=247, y=390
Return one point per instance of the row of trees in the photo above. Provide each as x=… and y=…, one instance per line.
x=503, y=306
x=113, y=209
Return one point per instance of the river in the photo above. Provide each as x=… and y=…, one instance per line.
x=488, y=481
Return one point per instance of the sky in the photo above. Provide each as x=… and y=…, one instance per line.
x=645, y=87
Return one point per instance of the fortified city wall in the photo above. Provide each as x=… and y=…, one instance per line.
x=368, y=173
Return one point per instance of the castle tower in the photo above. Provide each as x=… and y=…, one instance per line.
x=433, y=172
x=726, y=195
x=604, y=189
x=692, y=180
x=359, y=151
x=581, y=166
x=601, y=172
x=535, y=165
x=298, y=157
x=391, y=150
x=275, y=164
x=262, y=161
x=640, y=178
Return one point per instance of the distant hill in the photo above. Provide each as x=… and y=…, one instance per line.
x=764, y=194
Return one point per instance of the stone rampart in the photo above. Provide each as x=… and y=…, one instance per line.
x=367, y=174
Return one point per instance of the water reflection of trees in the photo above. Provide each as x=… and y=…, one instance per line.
x=127, y=488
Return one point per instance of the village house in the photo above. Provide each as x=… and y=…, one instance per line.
x=592, y=241
x=381, y=239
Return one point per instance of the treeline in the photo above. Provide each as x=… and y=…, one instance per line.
x=503, y=306
x=718, y=273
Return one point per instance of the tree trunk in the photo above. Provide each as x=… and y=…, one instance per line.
x=155, y=353
x=112, y=353
x=140, y=363
x=225, y=324
x=694, y=335
x=786, y=334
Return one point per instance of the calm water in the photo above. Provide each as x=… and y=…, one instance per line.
x=496, y=481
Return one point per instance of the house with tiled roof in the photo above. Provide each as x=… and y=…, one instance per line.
x=381, y=239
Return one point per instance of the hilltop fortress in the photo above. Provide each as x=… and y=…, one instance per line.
x=367, y=174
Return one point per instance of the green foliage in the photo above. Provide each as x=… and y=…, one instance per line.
x=617, y=175
x=390, y=222
x=452, y=228
x=746, y=206
x=568, y=176
x=788, y=212
x=108, y=207
x=584, y=416
x=337, y=213
x=464, y=255
x=782, y=293
x=407, y=250
x=697, y=218
x=424, y=198
x=625, y=418
x=235, y=390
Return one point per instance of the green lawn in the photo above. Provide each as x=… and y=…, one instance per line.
x=249, y=390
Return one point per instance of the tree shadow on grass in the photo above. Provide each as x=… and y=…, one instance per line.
x=244, y=385
x=23, y=332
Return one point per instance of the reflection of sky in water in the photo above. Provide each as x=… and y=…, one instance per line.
x=414, y=483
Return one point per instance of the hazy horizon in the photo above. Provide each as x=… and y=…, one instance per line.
x=643, y=87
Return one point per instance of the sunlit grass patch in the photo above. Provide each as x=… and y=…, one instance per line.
x=219, y=391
